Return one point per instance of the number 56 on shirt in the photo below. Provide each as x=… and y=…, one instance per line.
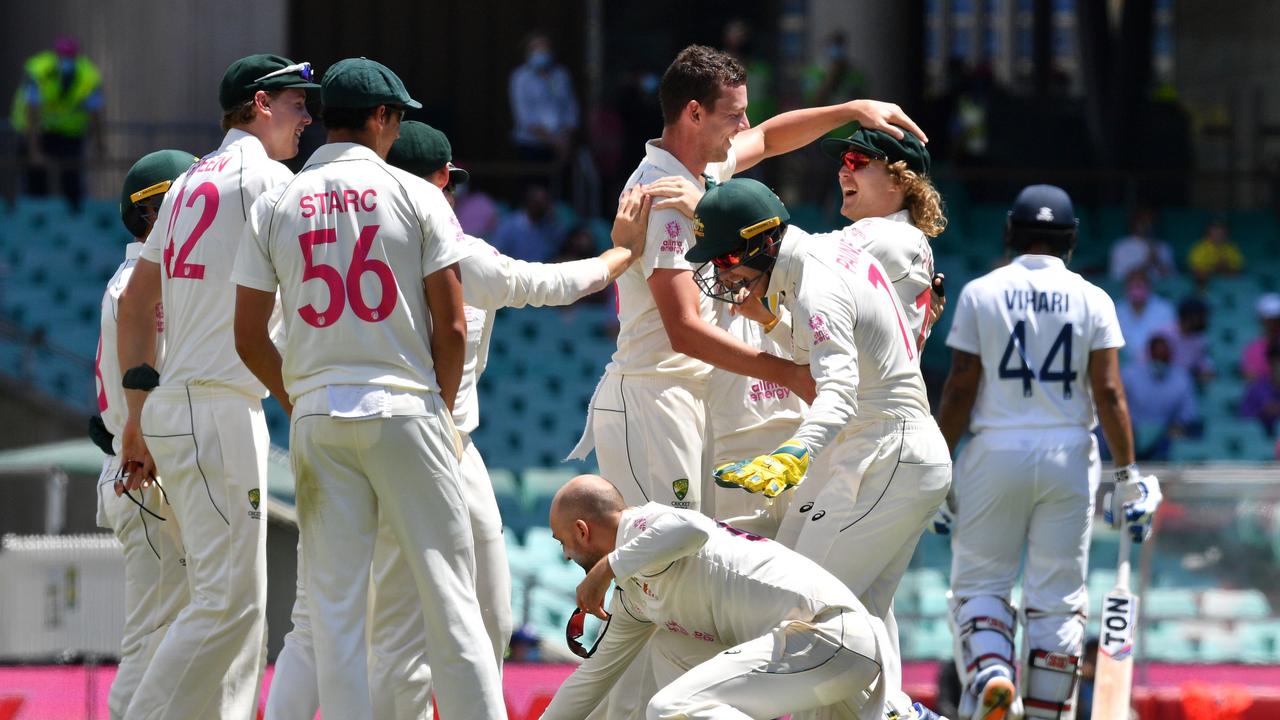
x=344, y=288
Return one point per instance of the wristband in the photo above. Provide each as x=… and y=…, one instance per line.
x=772, y=323
x=143, y=377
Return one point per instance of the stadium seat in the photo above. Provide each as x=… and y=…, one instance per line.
x=541, y=546
x=1259, y=641
x=1169, y=603
x=539, y=485
x=1234, y=604
x=1164, y=641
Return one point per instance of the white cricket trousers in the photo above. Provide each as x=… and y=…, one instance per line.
x=828, y=668
x=210, y=446
x=884, y=482
x=399, y=677
x=649, y=434
x=155, y=576
x=349, y=472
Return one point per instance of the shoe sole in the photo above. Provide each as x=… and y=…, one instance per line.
x=997, y=699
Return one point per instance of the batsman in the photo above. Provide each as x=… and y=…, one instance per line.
x=1034, y=369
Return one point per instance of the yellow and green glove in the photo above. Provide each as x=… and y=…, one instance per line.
x=769, y=474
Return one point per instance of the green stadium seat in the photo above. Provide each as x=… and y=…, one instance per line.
x=926, y=640
x=1182, y=227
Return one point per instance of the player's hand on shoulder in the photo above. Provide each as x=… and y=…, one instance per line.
x=678, y=193
x=1133, y=502
x=631, y=223
x=884, y=116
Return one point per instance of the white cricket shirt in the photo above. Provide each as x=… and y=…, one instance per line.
x=680, y=571
x=491, y=280
x=107, y=375
x=643, y=345
x=907, y=258
x=847, y=319
x=739, y=404
x=348, y=242
x=1033, y=323
x=195, y=239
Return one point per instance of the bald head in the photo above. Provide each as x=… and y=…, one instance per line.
x=586, y=497
x=584, y=518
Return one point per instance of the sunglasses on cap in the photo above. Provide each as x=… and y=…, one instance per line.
x=303, y=69
x=855, y=160
x=574, y=630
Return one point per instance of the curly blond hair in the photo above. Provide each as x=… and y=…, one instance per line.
x=920, y=198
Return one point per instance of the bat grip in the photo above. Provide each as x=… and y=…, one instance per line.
x=1122, y=566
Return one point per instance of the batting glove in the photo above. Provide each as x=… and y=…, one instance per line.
x=942, y=521
x=769, y=474
x=1134, y=502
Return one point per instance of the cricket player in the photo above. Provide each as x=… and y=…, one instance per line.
x=399, y=677
x=889, y=470
x=647, y=420
x=202, y=420
x=155, y=566
x=1034, y=368
x=778, y=634
x=889, y=197
x=365, y=257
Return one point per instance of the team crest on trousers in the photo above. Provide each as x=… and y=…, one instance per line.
x=680, y=487
x=255, y=499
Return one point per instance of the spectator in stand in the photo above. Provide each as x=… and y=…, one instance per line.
x=477, y=212
x=1142, y=313
x=1162, y=400
x=1088, y=671
x=531, y=233
x=58, y=105
x=579, y=243
x=543, y=105
x=1141, y=250
x=1261, y=399
x=1215, y=254
x=1190, y=346
x=1253, y=363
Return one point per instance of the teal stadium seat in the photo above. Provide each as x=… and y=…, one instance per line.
x=1169, y=603
x=1259, y=641
x=1229, y=604
x=539, y=487
x=1164, y=641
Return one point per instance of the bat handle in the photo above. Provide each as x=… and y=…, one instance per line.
x=1122, y=565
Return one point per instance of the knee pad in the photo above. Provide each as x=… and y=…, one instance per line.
x=1051, y=663
x=983, y=628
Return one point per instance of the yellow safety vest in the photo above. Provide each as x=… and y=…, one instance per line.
x=61, y=112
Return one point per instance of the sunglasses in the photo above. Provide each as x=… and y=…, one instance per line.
x=303, y=69
x=574, y=630
x=855, y=160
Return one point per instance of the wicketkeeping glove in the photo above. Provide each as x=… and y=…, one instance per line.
x=769, y=474
x=1134, y=501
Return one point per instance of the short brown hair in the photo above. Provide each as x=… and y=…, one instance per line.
x=697, y=73
x=920, y=198
x=244, y=113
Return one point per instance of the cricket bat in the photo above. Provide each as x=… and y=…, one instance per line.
x=1113, y=678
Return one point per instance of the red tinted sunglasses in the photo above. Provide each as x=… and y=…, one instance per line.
x=727, y=261
x=574, y=630
x=855, y=160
